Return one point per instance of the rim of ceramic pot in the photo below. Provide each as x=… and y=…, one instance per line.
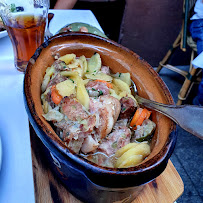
x=162, y=156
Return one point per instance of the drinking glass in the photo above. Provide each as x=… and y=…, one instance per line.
x=25, y=22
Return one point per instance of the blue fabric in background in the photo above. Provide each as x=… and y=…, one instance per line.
x=196, y=30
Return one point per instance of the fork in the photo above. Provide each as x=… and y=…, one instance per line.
x=48, y=34
x=188, y=117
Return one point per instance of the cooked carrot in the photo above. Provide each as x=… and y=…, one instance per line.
x=55, y=96
x=144, y=115
x=139, y=117
x=109, y=85
x=135, y=117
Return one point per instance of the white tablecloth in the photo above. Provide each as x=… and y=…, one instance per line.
x=198, y=61
x=16, y=177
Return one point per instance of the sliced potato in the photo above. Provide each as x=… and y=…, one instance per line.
x=122, y=86
x=79, y=71
x=69, y=73
x=123, y=94
x=67, y=58
x=75, y=79
x=82, y=94
x=73, y=75
x=45, y=106
x=66, y=88
x=131, y=161
x=49, y=72
x=86, y=81
x=113, y=94
x=94, y=63
x=140, y=149
x=75, y=63
x=99, y=76
x=83, y=64
x=115, y=88
x=125, y=77
x=124, y=149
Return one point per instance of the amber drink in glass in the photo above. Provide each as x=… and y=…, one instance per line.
x=25, y=22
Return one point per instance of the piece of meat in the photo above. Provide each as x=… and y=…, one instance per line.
x=72, y=134
x=112, y=104
x=70, y=129
x=128, y=107
x=105, y=70
x=75, y=145
x=78, y=127
x=73, y=109
x=79, y=124
x=88, y=128
x=120, y=123
x=59, y=65
x=56, y=79
x=107, y=109
x=89, y=144
x=96, y=88
x=115, y=140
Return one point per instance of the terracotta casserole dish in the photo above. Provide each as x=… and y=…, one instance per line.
x=87, y=181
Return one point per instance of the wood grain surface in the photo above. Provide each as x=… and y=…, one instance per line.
x=165, y=188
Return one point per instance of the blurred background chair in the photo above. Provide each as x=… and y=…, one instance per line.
x=182, y=41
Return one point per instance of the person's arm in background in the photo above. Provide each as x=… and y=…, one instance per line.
x=65, y=4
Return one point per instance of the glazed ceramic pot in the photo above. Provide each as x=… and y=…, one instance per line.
x=87, y=181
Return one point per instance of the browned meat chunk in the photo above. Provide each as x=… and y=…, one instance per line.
x=71, y=134
x=75, y=135
x=115, y=140
x=75, y=145
x=107, y=109
x=59, y=65
x=73, y=109
x=56, y=79
x=128, y=107
x=76, y=131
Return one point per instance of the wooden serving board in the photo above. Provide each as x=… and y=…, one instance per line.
x=168, y=187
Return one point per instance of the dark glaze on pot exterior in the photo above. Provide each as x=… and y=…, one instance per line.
x=87, y=181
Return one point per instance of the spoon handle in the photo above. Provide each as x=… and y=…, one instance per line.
x=189, y=117
x=50, y=16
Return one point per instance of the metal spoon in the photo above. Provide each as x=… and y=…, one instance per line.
x=48, y=34
x=188, y=117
